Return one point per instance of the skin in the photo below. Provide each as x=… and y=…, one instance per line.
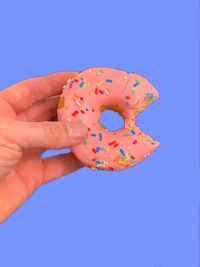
x=27, y=128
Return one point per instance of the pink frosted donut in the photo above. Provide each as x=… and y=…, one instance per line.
x=89, y=93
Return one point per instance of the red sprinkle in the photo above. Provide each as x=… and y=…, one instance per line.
x=115, y=145
x=88, y=129
x=76, y=80
x=127, y=97
x=94, y=150
x=75, y=113
x=81, y=98
x=132, y=157
x=111, y=143
x=111, y=168
x=70, y=85
x=126, y=166
x=82, y=111
x=101, y=91
x=92, y=110
x=134, y=142
x=94, y=159
x=96, y=90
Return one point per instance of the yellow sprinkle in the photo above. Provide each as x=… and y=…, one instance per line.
x=93, y=168
x=127, y=127
x=80, y=73
x=61, y=102
x=92, y=93
x=90, y=70
x=121, y=162
x=99, y=83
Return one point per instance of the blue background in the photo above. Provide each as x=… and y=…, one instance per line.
x=143, y=216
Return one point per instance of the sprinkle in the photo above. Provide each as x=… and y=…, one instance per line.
x=132, y=131
x=106, y=91
x=86, y=142
x=132, y=157
x=96, y=91
x=92, y=110
x=115, y=145
x=152, y=143
x=75, y=113
x=100, y=136
x=122, y=152
x=82, y=111
x=81, y=84
x=99, y=148
x=150, y=95
x=101, y=91
x=117, y=157
x=108, y=80
x=127, y=127
x=111, y=143
x=99, y=83
x=133, y=91
x=81, y=78
x=78, y=103
x=93, y=168
x=89, y=70
x=98, y=162
x=126, y=134
x=93, y=134
x=87, y=109
x=127, y=104
x=93, y=150
x=111, y=168
x=136, y=83
x=135, y=142
x=61, y=102
x=127, y=97
x=70, y=85
x=76, y=80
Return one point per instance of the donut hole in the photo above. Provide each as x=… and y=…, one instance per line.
x=111, y=118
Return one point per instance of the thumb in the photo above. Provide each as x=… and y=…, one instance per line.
x=46, y=134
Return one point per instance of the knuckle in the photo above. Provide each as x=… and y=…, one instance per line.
x=50, y=129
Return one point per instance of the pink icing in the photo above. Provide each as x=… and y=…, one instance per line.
x=93, y=88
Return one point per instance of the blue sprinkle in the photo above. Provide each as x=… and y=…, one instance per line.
x=152, y=143
x=122, y=152
x=108, y=80
x=98, y=162
x=72, y=81
x=81, y=84
x=132, y=131
x=98, y=149
x=128, y=72
x=127, y=104
x=86, y=109
x=100, y=135
x=136, y=83
x=81, y=78
x=150, y=95
x=93, y=134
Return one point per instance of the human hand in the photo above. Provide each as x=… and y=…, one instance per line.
x=26, y=131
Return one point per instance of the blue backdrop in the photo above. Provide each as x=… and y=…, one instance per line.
x=143, y=216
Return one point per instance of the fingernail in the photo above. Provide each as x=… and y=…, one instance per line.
x=77, y=131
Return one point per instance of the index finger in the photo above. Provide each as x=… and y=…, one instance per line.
x=24, y=94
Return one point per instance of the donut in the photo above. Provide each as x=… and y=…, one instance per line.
x=96, y=89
